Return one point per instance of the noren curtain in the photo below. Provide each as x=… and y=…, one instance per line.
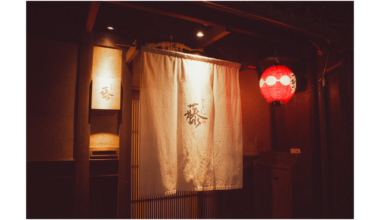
x=190, y=124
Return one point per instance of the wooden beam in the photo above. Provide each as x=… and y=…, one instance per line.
x=250, y=33
x=212, y=35
x=132, y=53
x=320, y=33
x=161, y=12
x=92, y=16
x=196, y=20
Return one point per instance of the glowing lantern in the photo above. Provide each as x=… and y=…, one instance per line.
x=278, y=84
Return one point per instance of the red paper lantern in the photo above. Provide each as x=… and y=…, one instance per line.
x=278, y=83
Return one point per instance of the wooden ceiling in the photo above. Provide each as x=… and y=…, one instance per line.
x=230, y=28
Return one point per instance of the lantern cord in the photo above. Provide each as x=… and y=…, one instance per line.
x=315, y=45
x=324, y=71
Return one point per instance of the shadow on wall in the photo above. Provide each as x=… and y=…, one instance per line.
x=255, y=115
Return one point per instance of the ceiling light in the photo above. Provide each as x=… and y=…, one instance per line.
x=200, y=34
x=110, y=28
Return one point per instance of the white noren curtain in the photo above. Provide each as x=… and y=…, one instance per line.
x=190, y=136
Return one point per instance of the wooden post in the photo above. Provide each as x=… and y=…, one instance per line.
x=326, y=189
x=82, y=126
x=273, y=127
x=124, y=195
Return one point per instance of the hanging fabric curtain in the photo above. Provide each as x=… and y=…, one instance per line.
x=190, y=135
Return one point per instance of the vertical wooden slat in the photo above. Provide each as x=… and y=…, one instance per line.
x=193, y=211
x=192, y=207
x=181, y=206
x=186, y=207
x=149, y=210
x=139, y=210
x=171, y=208
x=167, y=208
x=141, y=214
x=155, y=209
x=151, y=213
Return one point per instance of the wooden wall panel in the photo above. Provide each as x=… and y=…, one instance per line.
x=45, y=201
x=340, y=142
x=50, y=189
x=318, y=120
x=296, y=126
x=336, y=132
x=51, y=80
x=255, y=115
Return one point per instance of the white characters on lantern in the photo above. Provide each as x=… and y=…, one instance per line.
x=293, y=81
x=284, y=80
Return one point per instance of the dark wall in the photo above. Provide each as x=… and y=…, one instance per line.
x=296, y=126
x=51, y=79
x=61, y=180
x=238, y=203
x=255, y=115
x=339, y=117
x=300, y=124
x=51, y=88
x=50, y=189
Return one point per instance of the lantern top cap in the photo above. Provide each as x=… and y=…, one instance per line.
x=281, y=68
x=270, y=61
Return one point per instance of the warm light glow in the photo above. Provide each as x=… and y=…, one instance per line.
x=106, y=78
x=200, y=34
x=103, y=140
x=278, y=83
x=110, y=28
x=197, y=70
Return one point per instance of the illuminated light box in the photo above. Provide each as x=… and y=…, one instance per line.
x=106, y=93
x=106, y=78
